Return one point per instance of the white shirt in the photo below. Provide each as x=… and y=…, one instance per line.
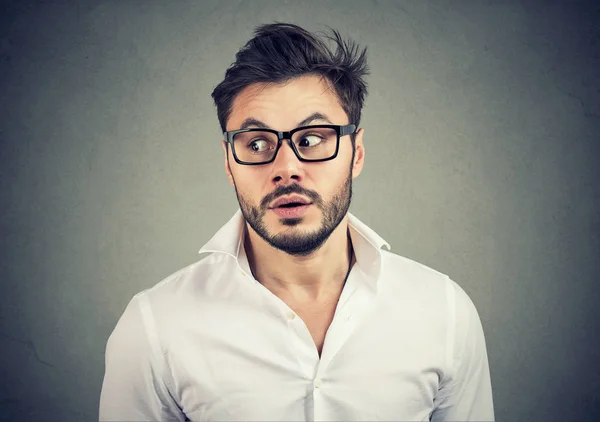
x=210, y=343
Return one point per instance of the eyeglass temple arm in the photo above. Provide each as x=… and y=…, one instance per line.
x=347, y=130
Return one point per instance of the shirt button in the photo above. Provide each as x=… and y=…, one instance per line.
x=318, y=383
x=291, y=316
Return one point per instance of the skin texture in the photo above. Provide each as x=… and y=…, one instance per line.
x=304, y=261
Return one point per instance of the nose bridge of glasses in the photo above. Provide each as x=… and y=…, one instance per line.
x=282, y=138
x=285, y=135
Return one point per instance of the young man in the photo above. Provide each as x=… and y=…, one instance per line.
x=297, y=314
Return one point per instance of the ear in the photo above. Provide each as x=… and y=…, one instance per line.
x=227, y=168
x=359, y=154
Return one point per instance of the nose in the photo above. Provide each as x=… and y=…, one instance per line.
x=287, y=167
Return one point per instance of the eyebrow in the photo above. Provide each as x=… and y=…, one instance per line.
x=251, y=121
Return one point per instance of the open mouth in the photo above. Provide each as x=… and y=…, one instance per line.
x=291, y=205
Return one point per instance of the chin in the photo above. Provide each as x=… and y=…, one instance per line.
x=291, y=222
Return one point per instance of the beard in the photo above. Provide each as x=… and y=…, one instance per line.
x=296, y=242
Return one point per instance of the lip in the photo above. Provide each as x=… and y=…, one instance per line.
x=294, y=212
x=289, y=199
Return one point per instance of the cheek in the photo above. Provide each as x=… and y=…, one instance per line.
x=332, y=180
x=338, y=172
x=246, y=183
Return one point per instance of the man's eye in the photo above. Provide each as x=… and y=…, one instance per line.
x=310, y=141
x=259, y=145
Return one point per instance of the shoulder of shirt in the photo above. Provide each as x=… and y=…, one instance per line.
x=403, y=266
x=178, y=279
x=418, y=276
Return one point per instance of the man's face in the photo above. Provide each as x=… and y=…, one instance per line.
x=327, y=185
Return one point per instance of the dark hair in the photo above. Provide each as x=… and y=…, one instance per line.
x=280, y=52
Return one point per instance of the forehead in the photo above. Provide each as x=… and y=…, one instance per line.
x=281, y=106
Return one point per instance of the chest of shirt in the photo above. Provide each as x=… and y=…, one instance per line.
x=246, y=364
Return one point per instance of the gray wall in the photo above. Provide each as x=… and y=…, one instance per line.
x=481, y=131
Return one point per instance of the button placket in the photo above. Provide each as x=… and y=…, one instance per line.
x=353, y=310
x=318, y=382
x=302, y=344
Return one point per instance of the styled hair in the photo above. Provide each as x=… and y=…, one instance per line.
x=280, y=52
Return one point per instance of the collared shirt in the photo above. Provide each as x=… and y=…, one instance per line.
x=211, y=343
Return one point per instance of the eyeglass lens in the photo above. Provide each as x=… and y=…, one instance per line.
x=314, y=143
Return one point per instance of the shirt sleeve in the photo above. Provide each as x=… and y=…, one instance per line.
x=133, y=388
x=466, y=393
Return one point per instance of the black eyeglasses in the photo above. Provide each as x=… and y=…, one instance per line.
x=309, y=143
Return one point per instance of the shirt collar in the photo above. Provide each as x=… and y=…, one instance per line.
x=366, y=242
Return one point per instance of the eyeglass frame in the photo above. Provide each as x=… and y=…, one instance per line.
x=341, y=130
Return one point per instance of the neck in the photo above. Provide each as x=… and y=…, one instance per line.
x=316, y=277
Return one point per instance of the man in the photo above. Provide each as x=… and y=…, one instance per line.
x=297, y=314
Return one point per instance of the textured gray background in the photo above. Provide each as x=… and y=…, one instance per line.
x=481, y=131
